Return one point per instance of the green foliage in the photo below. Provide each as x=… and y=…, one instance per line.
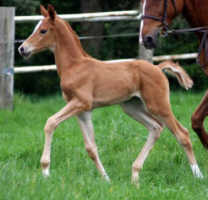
x=166, y=173
x=23, y=7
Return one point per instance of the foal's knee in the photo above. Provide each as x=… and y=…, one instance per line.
x=50, y=125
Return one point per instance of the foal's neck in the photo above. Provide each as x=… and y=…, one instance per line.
x=67, y=51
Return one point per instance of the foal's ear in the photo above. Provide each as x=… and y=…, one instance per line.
x=51, y=12
x=43, y=11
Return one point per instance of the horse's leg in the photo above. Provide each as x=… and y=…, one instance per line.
x=135, y=109
x=198, y=118
x=86, y=126
x=203, y=59
x=72, y=108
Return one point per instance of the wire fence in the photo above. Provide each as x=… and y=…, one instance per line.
x=19, y=41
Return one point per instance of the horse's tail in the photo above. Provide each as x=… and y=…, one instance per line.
x=175, y=70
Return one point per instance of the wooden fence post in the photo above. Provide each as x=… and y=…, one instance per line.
x=7, y=30
x=145, y=54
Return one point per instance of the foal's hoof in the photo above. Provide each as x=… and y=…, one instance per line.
x=45, y=165
x=136, y=184
x=106, y=177
x=196, y=171
x=199, y=175
x=135, y=181
x=46, y=172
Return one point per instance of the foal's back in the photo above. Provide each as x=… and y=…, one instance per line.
x=112, y=83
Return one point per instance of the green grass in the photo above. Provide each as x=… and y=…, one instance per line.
x=166, y=173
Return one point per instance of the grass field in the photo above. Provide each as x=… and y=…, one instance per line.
x=166, y=173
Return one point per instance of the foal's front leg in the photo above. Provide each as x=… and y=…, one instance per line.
x=72, y=108
x=86, y=126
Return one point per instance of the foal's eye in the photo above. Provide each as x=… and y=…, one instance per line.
x=43, y=31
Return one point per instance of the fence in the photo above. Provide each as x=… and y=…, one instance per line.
x=6, y=57
x=88, y=17
x=95, y=17
x=29, y=69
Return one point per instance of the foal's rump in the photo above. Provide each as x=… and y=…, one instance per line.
x=154, y=85
x=171, y=68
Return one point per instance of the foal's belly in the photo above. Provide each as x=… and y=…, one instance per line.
x=114, y=85
x=116, y=98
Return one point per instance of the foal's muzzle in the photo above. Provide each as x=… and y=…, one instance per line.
x=25, y=51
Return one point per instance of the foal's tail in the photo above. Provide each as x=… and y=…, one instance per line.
x=175, y=70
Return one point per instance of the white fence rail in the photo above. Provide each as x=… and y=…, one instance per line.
x=90, y=17
x=32, y=69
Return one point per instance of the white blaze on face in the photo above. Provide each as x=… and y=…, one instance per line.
x=142, y=22
x=37, y=26
x=27, y=46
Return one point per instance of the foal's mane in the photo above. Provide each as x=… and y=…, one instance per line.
x=77, y=40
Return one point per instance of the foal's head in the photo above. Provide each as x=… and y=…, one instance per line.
x=157, y=15
x=43, y=36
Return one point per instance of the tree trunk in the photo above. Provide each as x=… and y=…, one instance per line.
x=92, y=46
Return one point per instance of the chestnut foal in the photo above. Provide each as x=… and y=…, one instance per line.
x=139, y=87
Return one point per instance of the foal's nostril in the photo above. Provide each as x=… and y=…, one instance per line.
x=21, y=49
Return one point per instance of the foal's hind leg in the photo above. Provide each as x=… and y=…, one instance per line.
x=135, y=109
x=158, y=103
x=86, y=125
x=182, y=135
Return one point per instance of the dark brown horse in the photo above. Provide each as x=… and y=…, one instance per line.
x=158, y=15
